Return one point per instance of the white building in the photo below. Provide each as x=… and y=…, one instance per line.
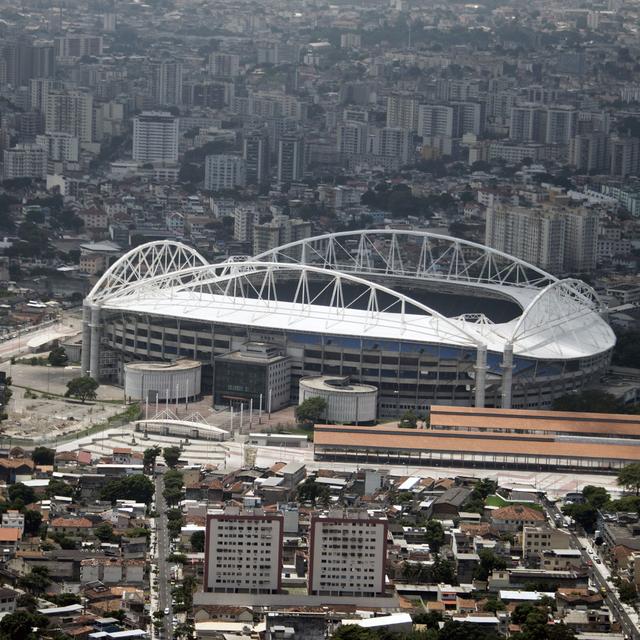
x=243, y=552
x=562, y=239
x=155, y=137
x=25, y=161
x=244, y=217
x=531, y=234
x=224, y=172
x=60, y=146
x=347, y=554
x=70, y=112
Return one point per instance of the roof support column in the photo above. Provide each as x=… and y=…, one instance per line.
x=86, y=338
x=507, y=375
x=94, y=361
x=481, y=374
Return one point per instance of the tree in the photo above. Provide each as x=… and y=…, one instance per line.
x=434, y=535
x=21, y=492
x=494, y=604
x=628, y=592
x=596, y=496
x=36, y=581
x=43, y=456
x=23, y=625
x=104, y=532
x=311, y=410
x=311, y=491
x=171, y=456
x=32, y=522
x=466, y=631
x=489, y=561
x=353, y=632
x=408, y=420
x=58, y=487
x=584, y=514
x=149, y=458
x=629, y=477
x=134, y=487
x=590, y=401
x=197, y=541
x=58, y=357
x=84, y=388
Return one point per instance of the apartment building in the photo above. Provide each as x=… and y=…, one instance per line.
x=223, y=172
x=243, y=551
x=155, y=137
x=347, y=554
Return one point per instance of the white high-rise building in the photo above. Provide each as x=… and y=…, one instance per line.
x=60, y=146
x=243, y=552
x=402, y=111
x=581, y=240
x=352, y=138
x=25, y=161
x=244, y=218
x=70, y=112
x=155, y=137
x=222, y=172
x=436, y=120
x=561, y=124
x=560, y=239
x=290, y=158
x=393, y=142
x=534, y=234
x=347, y=555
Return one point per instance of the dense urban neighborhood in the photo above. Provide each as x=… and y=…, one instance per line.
x=319, y=321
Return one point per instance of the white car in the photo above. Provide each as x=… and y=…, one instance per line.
x=166, y=611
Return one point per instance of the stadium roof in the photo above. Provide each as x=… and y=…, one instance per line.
x=560, y=319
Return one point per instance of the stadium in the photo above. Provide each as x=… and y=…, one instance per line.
x=425, y=318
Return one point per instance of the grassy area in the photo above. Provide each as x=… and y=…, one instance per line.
x=498, y=501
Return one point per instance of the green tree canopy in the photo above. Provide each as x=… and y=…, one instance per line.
x=134, y=487
x=408, y=420
x=23, y=625
x=435, y=535
x=584, y=514
x=84, y=388
x=36, y=581
x=311, y=410
x=21, y=492
x=32, y=522
x=597, y=497
x=58, y=357
x=629, y=477
x=171, y=456
x=43, y=456
x=104, y=532
x=197, y=541
x=149, y=457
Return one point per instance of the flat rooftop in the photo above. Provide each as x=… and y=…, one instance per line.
x=395, y=439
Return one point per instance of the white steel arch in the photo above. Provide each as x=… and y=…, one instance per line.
x=142, y=262
x=560, y=318
x=415, y=254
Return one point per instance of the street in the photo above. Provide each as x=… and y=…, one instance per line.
x=601, y=577
x=162, y=552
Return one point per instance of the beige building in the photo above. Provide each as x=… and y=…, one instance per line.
x=535, y=540
x=243, y=552
x=347, y=554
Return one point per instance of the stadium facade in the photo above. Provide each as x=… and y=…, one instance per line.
x=427, y=319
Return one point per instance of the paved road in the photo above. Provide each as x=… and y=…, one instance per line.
x=601, y=577
x=162, y=552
